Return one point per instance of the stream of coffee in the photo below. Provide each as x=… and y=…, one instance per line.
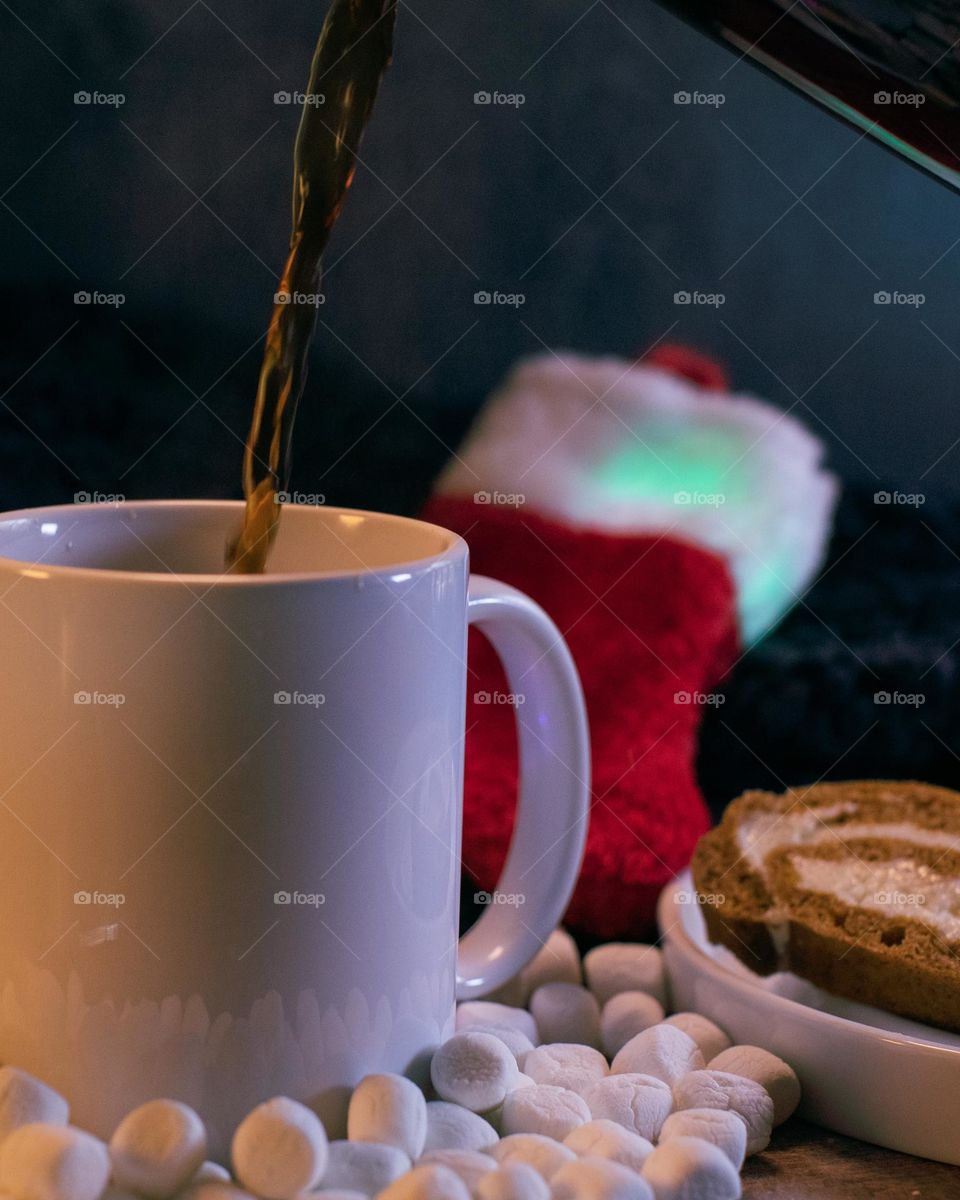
x=353, y=51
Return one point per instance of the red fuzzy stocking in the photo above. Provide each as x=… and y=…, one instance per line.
x=556, y=492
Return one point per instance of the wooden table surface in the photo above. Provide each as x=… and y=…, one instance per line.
x=805, y=1162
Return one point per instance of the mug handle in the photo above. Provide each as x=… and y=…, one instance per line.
x=554, y=804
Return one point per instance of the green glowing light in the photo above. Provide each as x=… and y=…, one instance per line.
x=698, y=462
x=713, y=468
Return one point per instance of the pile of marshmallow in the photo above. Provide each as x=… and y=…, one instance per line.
x=553, y=1091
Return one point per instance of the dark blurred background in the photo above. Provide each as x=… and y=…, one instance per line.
x=597, y=198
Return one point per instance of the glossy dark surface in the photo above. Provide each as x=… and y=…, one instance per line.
x=889, y=67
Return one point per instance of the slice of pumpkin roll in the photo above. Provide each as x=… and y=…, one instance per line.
x=852, y=886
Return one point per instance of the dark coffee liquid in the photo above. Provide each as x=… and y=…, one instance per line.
x=352, y=54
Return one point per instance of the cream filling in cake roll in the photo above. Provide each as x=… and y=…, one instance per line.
x=897, y=888
x=762, y=832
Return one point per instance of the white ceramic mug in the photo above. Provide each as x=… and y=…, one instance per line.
x=230, y=806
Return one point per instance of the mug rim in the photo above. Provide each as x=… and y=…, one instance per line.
x=454, y=550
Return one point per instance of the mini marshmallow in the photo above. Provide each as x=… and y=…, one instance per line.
x=468, y=1165
x=545, y=1109
x=24, y=1100
x=557, y=961
x=212, y=1189
x=772, y=1073
x=211, y=1172
x=485, y=1012
x=389, y=1110
x=158, y=1148
x=475, y=1070
x=53, y=1162
x=452, y=1127
x=566, y=1012
x=335, y=1194
x=607, y=1139
x=622, y=967
x=495, y=1115
x=662, y=1050
x=542, y=1153
x=514, y=1181
x=598, y=1179
x=640, y=1103
x=279, y=1149
x=720, y=1089
x=567, y=1065
x=428, y=1182
x=522, y=1080
x=720, y=1126
x=366, y=1167
x=709, y=1037
x=516, y=1042
x=624, y=1016
x=688, y=1168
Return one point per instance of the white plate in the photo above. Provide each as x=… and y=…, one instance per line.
x=865, y=1073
